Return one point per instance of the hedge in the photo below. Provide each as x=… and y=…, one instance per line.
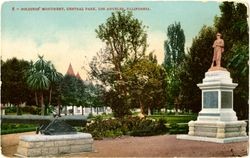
x=40, y=120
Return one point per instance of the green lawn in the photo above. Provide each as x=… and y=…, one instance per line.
x=171, y=119
x=8, y=128
x=177, y=124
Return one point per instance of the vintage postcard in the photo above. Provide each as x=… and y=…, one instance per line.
x=124, y=78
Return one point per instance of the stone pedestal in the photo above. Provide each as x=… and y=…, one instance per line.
x=49, y=145
x=217, y=121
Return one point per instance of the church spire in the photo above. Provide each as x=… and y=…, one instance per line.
x=70, y=71
x=78, y=76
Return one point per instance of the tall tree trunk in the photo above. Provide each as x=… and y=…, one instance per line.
x=91, y=110
x=36, y=99
x=42, y=104
x=97, y=110
x=18, y=110
x=141, y=107
x=149, y=111
x=82, y=111
x=59, y=109
x=176, y=106
x=50, y=94
x=72, y=109
x=65, y=111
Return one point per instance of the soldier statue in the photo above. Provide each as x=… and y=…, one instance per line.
x=218, y=50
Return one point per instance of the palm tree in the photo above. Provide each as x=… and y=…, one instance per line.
x=38, y=82
x=53, y=76
x=39, y=78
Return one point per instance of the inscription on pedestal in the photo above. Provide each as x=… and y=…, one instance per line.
x=210, y=99
x=226, y=99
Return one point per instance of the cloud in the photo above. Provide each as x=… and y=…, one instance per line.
x=77, y=47
x=21, y=48
x=156, y=43
x=72, y=46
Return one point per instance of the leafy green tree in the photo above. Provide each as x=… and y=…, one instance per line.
x=56, y=93
x=94, y=96
x=14, y=87
x=174, y=46
x=81, y=93
x=69, y=91
x=234, y=27
x=174, y=55
x=54, y=77
x=192, y=70
x=75, y=92
x=126, y=42
x=146, y=85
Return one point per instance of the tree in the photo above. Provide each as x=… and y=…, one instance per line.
x=174, y=46
x=174, y=55
x=56, y=93
x=14, y=87
x=146, y=85
x=54, y=77
x=234, y=28
x=94, y=96
x=81, y=93
x=69, y=91
x=192, y=70
x=40, y=78
x=38, y=81
x=126, y=42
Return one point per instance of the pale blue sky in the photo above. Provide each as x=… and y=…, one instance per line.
x=69, y=36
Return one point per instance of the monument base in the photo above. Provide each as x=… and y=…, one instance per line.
x=214, y=140
x=217, y=131
x=47, y=145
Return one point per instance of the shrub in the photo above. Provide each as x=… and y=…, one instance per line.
x=29, y=109
x=178, y=128
x=90, y=116
x=134, y=126
x=10, y=109
x=149, y=128
x=38, y=111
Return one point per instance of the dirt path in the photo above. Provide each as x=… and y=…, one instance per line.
x=9, y=143
x=156, y=146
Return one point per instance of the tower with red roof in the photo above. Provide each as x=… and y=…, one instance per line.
x=70, y=72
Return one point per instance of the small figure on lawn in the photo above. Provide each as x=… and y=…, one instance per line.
x=218, y=50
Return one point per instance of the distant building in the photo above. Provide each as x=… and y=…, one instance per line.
x=70, y=71
x=83, y=110
x=78, y=76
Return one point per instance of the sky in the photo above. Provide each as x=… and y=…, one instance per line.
x=68, y=36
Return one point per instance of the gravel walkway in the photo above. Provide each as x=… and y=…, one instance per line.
x=155, y=146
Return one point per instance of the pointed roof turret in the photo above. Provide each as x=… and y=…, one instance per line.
x=70, y=71
x=78, y=76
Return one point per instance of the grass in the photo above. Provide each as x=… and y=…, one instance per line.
x=8, y=128
x=19, y=130
x=171, y=119
x=177, y=124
